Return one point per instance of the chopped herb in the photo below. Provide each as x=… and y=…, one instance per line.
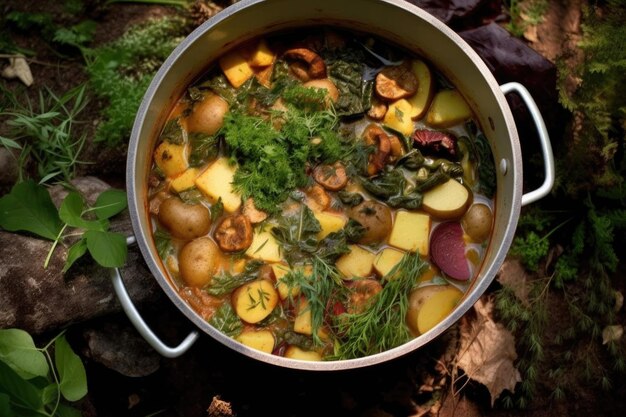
x=226, y=320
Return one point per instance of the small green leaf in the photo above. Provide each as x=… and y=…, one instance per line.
x=18, y=351
x=9, y=143
x=28, y=207
x=67, y=411
x=50, y=393
x=73, y=378
x=107, y=248
x=74, y=253
x=71, y=212
x=110, y=202
x=22, y=393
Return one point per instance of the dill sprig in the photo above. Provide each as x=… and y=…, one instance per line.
x=382, y=325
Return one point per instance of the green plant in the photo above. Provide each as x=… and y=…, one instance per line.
x=524, y=13
x=29, y=208
x=121, y=71
x=32, y=383
x=580, y=257
x=45, y=133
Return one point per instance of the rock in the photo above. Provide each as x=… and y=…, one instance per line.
x=117, y=345
x=9, y=171
x=38, y=299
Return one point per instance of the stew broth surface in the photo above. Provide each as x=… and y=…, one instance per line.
x=322, y=195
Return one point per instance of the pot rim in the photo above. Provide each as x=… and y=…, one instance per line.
x=136, y=202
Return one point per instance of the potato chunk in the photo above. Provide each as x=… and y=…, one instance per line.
x=425, y=88
x=411, y=232
x=447, y=109
x=171, y=158
x=217, y=182
x=262, y=56
x=280, y=271
x=357, y=263
x=236, y=68
x=329, y=222
x=294, y=352
x=199, y=261
x=303, y=323
x=185, y=180
x=386, y=260
x=255, y=300
x=398, y=117
x=262, y=340
x=449, y=200
x=264, y=247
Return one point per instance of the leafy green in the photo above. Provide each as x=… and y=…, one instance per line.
x=226, y=320
x=18, y=351
x=297, y=234
x=28, y=207
x=225, y=282
x=345, y=68
x=121, y=71
x=45, y=134
x=39, y=393
x=391, y=186
x=73, y=379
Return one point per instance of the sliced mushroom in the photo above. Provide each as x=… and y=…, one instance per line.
x=376, y=136
x=316, y=68
x=397, y=148
x=395, y=82
x=318, y=197
x=234, y=233
x=331, y=177
x=252, y=213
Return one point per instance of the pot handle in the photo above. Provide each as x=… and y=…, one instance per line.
x=141, y=326
x=544, y=139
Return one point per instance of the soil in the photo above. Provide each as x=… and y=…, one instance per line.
x=211, y=376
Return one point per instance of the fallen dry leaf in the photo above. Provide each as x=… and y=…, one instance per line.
x=513, y=275
x=612, y=333
x=18, y=68
x=219, y=408
x=487, y=351
x=619, y=301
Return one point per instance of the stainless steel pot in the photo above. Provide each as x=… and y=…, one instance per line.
x=394, y=20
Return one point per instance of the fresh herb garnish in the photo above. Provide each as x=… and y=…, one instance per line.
x=226, y=282
x=226, y=321
x=381, y=326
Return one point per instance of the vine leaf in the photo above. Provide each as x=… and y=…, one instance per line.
x=18, y=351
x=107, y=248
x=28, y=207
x=73, y=378
x=109, y=203
x=487, y=351
x=22, y=393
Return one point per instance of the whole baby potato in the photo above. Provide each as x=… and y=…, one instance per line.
x=198, y=261
x=477, y=222
x=207, y=115
x=375, y=217
x=184, y=221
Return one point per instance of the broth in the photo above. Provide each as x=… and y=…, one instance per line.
x=322, y=197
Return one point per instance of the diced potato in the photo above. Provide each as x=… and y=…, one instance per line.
x=411, y=232
x=449, y=200
x=398, y=117
x=262, y=340
x=264, y=247
x=386, y=259
x=280, y=270
x=424, y=94
x=437, y=307
x=330, y=222
x=185, y=180
x=303, y=323
x=171, y=158
x=357, y=263
x=255, y=300
x=217, y=182
x=262, y=56
x=294, y=352
x=447, y=109
x=236, y=68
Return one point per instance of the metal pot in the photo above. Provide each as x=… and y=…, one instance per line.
x=395, y=20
